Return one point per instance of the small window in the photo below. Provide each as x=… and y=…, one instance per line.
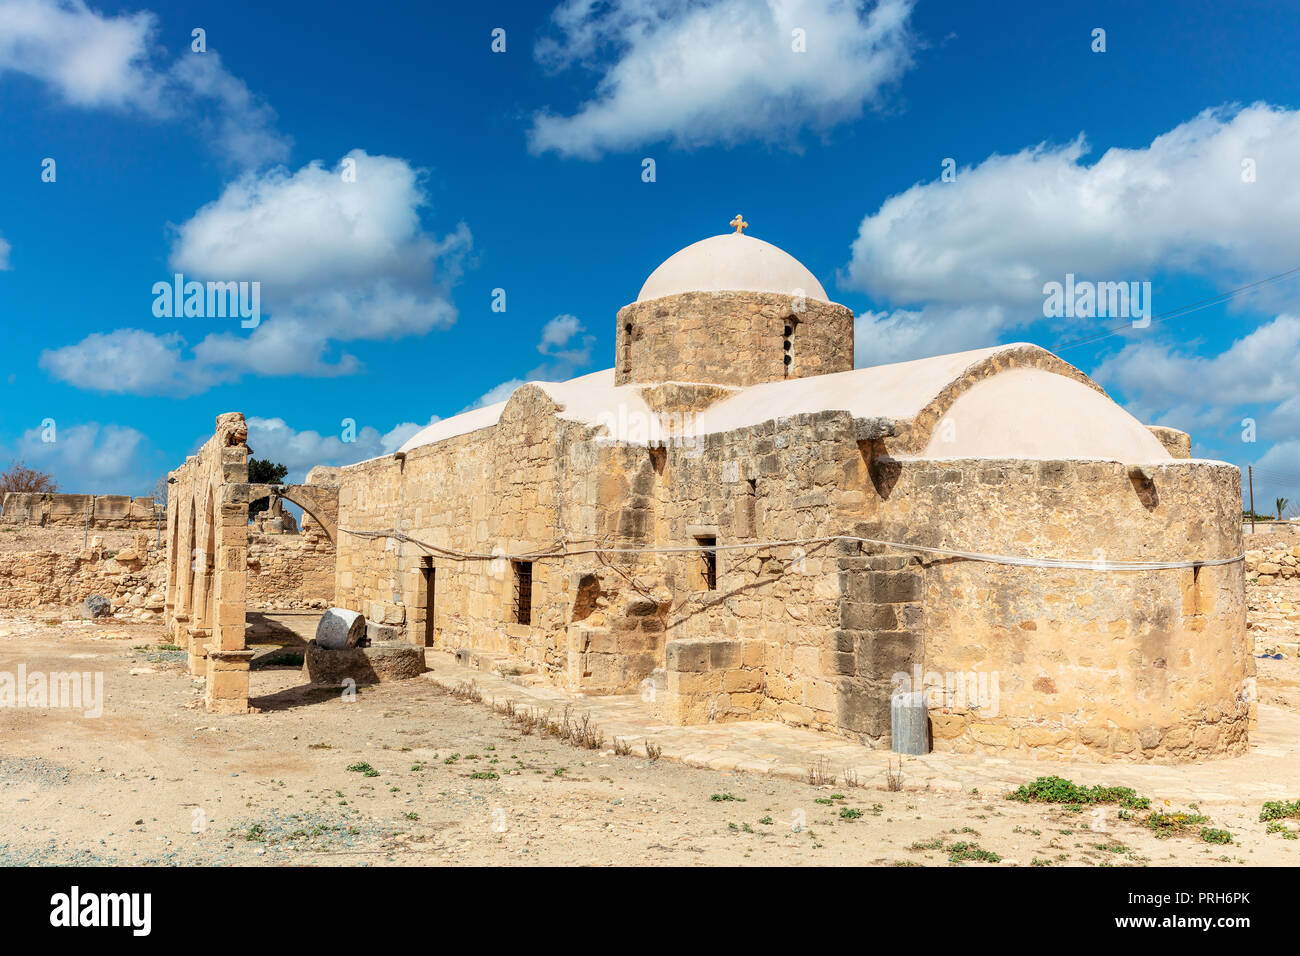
x=523, y=596
x=787, y=344
x=707, y=563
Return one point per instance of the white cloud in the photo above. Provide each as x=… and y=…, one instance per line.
x=299, y=451
x=557, y=332
x=91, y=60
x=1011, y=223
x=565, y=356
x=127, y=360
x=1276, y=475
x=562, y=363
x=880, y=338
x=4, y=254
x=498, y=393
x=91, y=458
x=698, y=74
x=1255, y=376
x=239, y=124
x=94, y=61
x=337, y=261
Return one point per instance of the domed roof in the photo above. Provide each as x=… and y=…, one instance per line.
x=732, y=263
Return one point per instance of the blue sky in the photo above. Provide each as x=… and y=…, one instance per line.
x=522, y=170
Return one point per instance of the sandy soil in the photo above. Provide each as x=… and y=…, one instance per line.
x=156, y=780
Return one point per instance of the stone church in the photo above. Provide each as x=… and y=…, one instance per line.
x=736, y=522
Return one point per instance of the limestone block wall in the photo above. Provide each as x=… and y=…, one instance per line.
x=1110, y=665
x=713, y=679
x=778, y=481
x=492, y=491
x=731, y=338
x=1125, y=665
x=290, y=570
x=104, y=511
x=131, y=578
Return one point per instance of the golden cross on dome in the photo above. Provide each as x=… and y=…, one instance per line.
x=738, y=224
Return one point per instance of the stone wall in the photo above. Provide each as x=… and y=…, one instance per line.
x=490, y=491
x=102, y=511
x=132, y=579
x=1268, y=565
x=731, y=338
x=1120, y=664
x=1095, y=664
x=290, y=571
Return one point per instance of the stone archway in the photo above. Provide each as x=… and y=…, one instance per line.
x=319, y=501
x=209, y=563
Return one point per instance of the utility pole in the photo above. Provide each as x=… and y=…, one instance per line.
x=1250, y=479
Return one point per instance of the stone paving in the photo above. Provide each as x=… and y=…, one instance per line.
x=765, y=747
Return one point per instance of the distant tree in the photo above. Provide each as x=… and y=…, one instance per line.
x=160, y=489
x=1281, y=503
x=263, y=471
x=21, y=478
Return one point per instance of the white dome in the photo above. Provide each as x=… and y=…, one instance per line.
x=732, y=263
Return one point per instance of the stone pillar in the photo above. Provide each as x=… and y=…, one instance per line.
x=881, y=634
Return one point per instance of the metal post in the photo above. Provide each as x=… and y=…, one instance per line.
x=1250, y=479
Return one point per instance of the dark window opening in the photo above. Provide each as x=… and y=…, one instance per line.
x=523, y=597
x=708, y=563
x=428, y=579
x=787, y=344
x=627, y=349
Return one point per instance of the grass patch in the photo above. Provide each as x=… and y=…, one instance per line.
x=364, y=768
x=1211, y=835
x=1167, y=824
x=1060, y=790
x=1279, y=810
x=967, y=852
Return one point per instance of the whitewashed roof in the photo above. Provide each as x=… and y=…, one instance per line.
x=732, y=263
x=1016, y=413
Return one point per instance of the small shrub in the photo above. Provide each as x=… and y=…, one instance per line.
x=364, y=768
x=1279, y=810
x=1166, y=824
x=1211, y=835
x=1059, y=790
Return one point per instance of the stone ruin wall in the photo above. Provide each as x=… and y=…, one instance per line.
x=730, y=338
x=290, y=570
x=104, y=512
x=133, y=579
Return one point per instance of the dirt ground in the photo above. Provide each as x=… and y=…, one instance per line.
x=408, y=773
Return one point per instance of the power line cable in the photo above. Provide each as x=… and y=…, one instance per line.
x=1183, y=310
